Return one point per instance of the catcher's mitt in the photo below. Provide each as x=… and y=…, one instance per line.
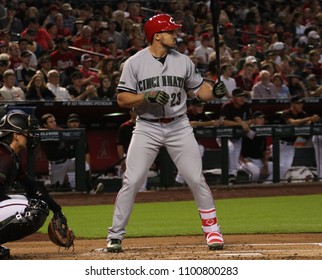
x=59, y=232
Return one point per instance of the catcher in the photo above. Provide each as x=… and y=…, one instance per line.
x=23, y=215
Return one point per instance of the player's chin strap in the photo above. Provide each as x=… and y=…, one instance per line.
x=21, y=225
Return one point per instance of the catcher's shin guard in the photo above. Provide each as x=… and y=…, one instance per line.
x=211, y=229
x=21, y=225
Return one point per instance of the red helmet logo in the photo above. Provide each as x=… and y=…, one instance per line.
x=159, y=23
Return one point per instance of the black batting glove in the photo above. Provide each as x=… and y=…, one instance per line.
x=159, y=97
x=219, y=90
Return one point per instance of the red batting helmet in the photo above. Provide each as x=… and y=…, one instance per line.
x=159, y=23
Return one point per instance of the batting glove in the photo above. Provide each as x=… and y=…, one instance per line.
x=159, y=97
x=219, y=90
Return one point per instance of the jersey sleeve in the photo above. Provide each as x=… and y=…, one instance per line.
x=194, y=79
x=128, y=81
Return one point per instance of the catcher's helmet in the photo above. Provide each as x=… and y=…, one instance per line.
x=159, y=23
x=20, y=123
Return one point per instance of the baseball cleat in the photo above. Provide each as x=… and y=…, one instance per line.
x=4, y=253
x=114, y=246
x=215, y=241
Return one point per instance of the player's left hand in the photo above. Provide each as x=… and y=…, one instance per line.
x=159, y=97
x=219, y=90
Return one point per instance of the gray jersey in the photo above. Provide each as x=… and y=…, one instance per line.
x=143, y=73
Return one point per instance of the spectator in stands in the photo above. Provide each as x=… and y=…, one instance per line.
x=14, y=54
x=230, y=37
x=98, y=48
x=24, y=72
x=313, y=39
x=114, y=51
x=294, y=115
x=226, y=77
x=134, y=10
x=42, y=36
x=126, y=33
x=44, y=67
x=137, y=44
x=91, y=77
x=12, y=24
x=62, y=31
x=264, y=88
x=9, y=91
x=53, y=84
x=52, y=12
x=33, y=46
x=51, y=28
x=38, y=90
x=203, y=52
x=84, y=40
x=254, y=156
x=279, y=52
x=23, y=46
x=235, y=112
x=314, y=59
x=84, y=11
x=62, y=58
x=78, y=91
x=73, y=122
x=245, y=80
x=113, y=34
x=4, y=65
x=104, y=91
x=270, y=60
x=115, y=79
x=282, y=89
x=77, y=30
x=298, y=55
x=298, y=24
x=296, y=85
x=3, y=47
x=68, y=17
x=313, y=88
x=106, y=67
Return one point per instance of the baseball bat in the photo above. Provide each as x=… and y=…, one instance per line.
x=86, y=51
x=215, y=13
x=108, y=168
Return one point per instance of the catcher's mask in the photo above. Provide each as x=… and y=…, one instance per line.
x=159, y=23
x=20, y=123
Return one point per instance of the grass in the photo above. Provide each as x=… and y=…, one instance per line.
x=285, y=214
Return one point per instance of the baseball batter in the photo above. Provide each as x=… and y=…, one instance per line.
x=156, y=82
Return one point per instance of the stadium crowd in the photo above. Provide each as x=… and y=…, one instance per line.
x=68, y=50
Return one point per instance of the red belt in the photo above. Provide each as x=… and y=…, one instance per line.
x=162, y=120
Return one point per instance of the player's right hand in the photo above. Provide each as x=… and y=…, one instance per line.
x=159, y=97
x=219, y=90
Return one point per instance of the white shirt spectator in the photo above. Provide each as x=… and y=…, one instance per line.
x=12, y=94
x=230, y=84
x=61, y=93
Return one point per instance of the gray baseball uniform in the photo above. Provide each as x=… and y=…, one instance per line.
x=159, y=126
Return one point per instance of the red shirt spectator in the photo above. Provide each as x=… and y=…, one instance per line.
x=91, y=77
x=62, y=58
x=42, y=36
